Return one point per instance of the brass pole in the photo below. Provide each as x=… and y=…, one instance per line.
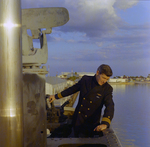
x=11, y=104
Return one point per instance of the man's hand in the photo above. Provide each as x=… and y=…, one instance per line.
x=100, y=127
x=51, y=98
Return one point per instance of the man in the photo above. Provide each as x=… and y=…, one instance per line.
x=94, y=93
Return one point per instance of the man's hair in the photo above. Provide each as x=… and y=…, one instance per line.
x=105, y=69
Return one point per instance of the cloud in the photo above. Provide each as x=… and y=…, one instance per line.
x=124, y=4
x=137, y=34
x=97, y=20
x=94, y=18
x=99, y=44
x=71, y=40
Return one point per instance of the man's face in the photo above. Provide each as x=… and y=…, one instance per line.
x=101, y=78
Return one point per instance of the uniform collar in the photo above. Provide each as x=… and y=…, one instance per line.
x=95, y=81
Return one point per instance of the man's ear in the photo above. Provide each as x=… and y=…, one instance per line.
x=97, y=72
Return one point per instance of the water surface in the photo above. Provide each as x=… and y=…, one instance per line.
x=132, y=114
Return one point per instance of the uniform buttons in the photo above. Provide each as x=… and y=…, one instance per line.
x=108, y=116
x=85, y=115
x=84, y=98
x=79, y=112
x=88, y=108
x=90, y=101
x=81, y=105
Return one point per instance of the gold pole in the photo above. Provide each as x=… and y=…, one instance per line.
x=11, y=104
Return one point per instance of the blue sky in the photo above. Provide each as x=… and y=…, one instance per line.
x=114, y=32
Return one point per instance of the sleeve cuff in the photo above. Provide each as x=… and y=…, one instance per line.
x=106, y=121
x=58, y=96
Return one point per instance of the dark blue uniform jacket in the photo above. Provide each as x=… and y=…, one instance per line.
x=91, y=100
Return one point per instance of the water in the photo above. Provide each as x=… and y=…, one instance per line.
x=132, y=114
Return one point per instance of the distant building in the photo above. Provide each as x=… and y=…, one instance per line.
x=81, y=74
x=65, y=75
x=138, y=79
x=147, y=79
x=73, y=75
x=148, y=76
x=117, y=80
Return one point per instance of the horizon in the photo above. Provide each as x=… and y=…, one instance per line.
x=110, y=77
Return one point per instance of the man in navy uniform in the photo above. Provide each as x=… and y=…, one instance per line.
x=95, y=93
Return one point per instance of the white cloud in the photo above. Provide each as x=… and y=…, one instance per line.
x=58, y=39
x=124, y=4
x=71, y=40
x=94, y=18
x=99, y=44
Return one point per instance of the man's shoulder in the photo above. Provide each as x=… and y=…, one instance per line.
x=85, y=77
x=108, y=85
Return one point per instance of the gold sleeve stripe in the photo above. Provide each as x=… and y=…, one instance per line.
x=106, y=119
x=59, y=95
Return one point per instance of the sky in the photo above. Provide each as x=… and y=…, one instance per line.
x=113, y=32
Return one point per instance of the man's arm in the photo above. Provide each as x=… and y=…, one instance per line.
x=71, y=90
x=108, y=112
x=109, y=108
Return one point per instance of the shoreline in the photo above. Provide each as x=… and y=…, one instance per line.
x=128, y=83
